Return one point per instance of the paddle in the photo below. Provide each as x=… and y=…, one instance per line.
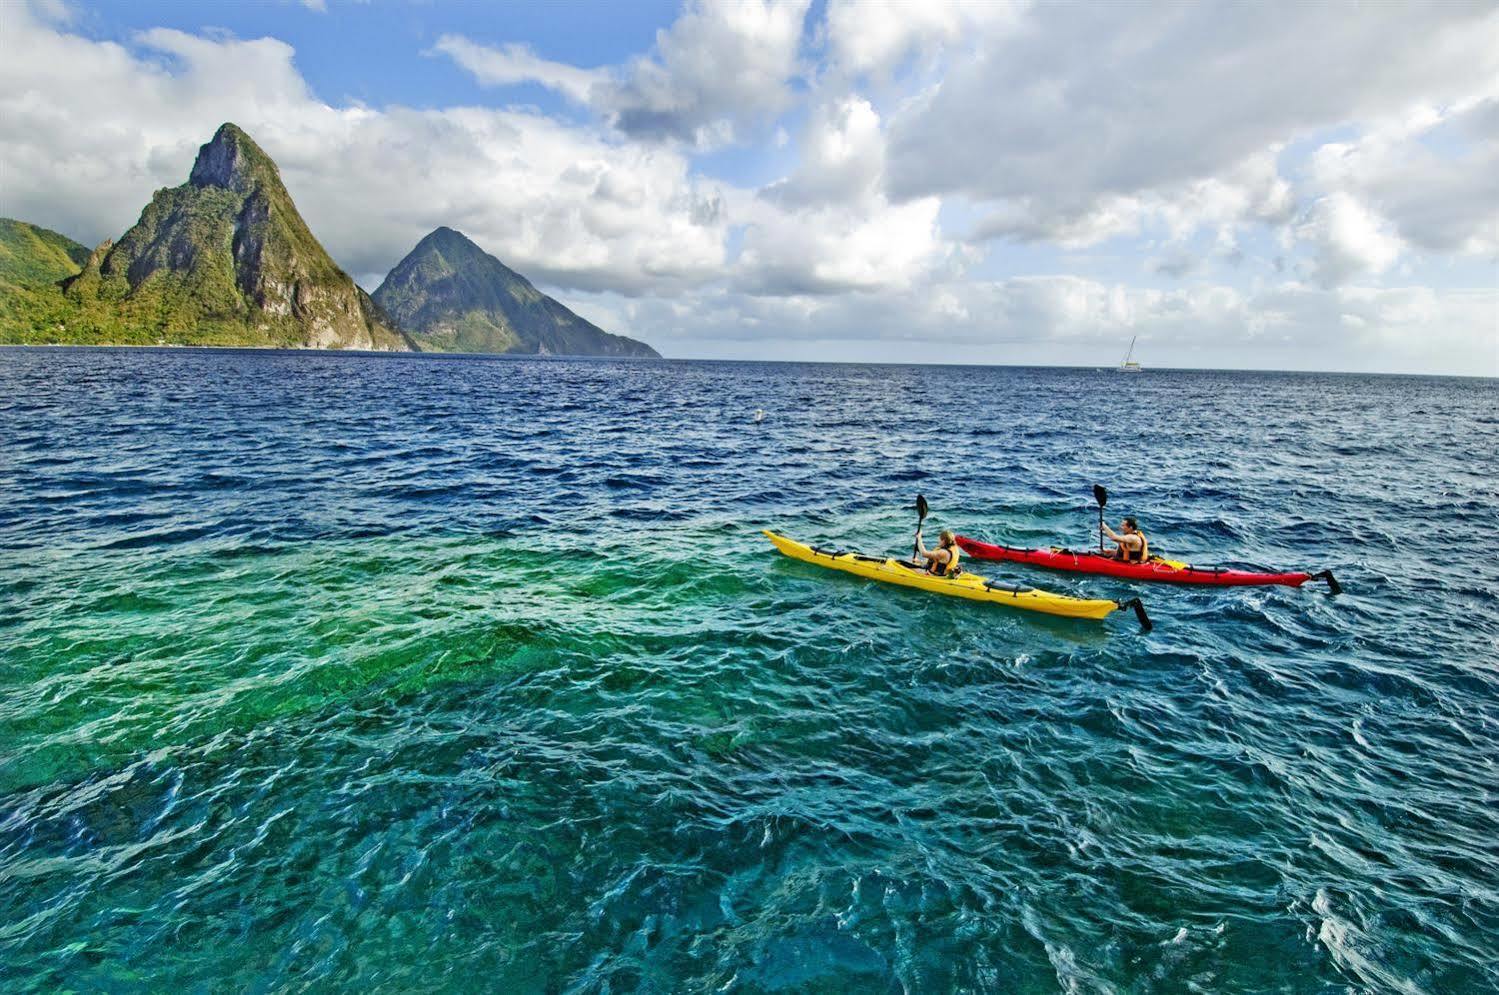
x=1145, y=624
x=921, y=510
x=1101, y=495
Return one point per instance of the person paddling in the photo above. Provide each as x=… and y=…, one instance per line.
x=942, y=561
x=1131, y=544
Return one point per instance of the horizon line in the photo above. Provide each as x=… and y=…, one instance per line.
x=510, y=356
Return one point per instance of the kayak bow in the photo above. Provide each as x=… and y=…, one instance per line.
x=1154, y=569
x=965, y=585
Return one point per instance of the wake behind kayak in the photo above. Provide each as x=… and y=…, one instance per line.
x=965, y=585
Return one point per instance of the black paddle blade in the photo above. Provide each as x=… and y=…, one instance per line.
x=1333, y=587
x=1145, y=623
x=920, y=507
x=1100, y=494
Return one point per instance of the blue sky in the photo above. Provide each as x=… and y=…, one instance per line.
x=371, y=53
x=1007, y=182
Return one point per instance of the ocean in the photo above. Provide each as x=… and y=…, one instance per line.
x=394, y=673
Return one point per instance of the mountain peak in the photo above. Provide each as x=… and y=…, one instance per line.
x=450, y=241
x=226, y=258
x=452, y=295
x=232, y=160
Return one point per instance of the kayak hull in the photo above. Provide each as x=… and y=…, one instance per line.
x=1095, y=563
x=965, y=585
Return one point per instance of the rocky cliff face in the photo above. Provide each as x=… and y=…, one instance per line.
x=449, y=294
x=227, y=259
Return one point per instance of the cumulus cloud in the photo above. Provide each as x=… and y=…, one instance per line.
x=1071, y=320
x=1081, y=117
x=1347, y=240
x=874, y=37
x=842, y=157
x=828, y=227
x=835, y=249
x=722, y=65
x=1432, y=174
x=508, y=65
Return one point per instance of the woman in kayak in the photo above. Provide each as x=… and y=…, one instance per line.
x=942, y=561
x=1131, y=542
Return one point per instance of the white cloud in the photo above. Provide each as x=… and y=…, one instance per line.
x=1443, y=201
x=1347, y=240
x=1074, y=321
x=1071, y=226
x=828, y=227
x=1085, y=122
x=723, y=64
x=842, y=156
x=874, y=36
x=833, y=249
x=512, y=64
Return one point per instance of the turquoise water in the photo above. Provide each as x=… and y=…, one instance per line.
x=415, y=673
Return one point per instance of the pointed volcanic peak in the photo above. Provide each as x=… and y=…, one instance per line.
x=233, y=161
x=225, y=259
x=450, y=295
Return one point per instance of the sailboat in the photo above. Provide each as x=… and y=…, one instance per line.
x=1129, y=365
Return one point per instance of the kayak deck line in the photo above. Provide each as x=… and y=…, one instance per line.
x=966, y=585
x=1154, y=569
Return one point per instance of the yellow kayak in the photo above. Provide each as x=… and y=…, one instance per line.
x=965, y=585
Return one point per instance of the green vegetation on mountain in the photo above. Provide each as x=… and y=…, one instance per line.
x=450, y=295
x=30, y=255
x=224, y=259
x=32, y=261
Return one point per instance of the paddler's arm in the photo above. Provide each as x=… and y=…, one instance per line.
x=938, y=555
x=1111, y=533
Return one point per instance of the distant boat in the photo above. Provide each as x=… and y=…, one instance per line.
x=1129, y=365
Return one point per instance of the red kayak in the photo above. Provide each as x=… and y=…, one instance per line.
x=1154, y=569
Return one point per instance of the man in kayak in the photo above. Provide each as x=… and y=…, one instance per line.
x=942, y=561
x=1131, y=544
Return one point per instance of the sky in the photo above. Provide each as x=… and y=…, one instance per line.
x=1260, y=186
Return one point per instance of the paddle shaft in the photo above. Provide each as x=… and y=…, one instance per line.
x=1101, y=495
x=920, y=517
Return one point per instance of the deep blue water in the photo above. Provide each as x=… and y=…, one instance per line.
x=413, y=673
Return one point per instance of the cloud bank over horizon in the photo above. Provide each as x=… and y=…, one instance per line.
x=1309, y=188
